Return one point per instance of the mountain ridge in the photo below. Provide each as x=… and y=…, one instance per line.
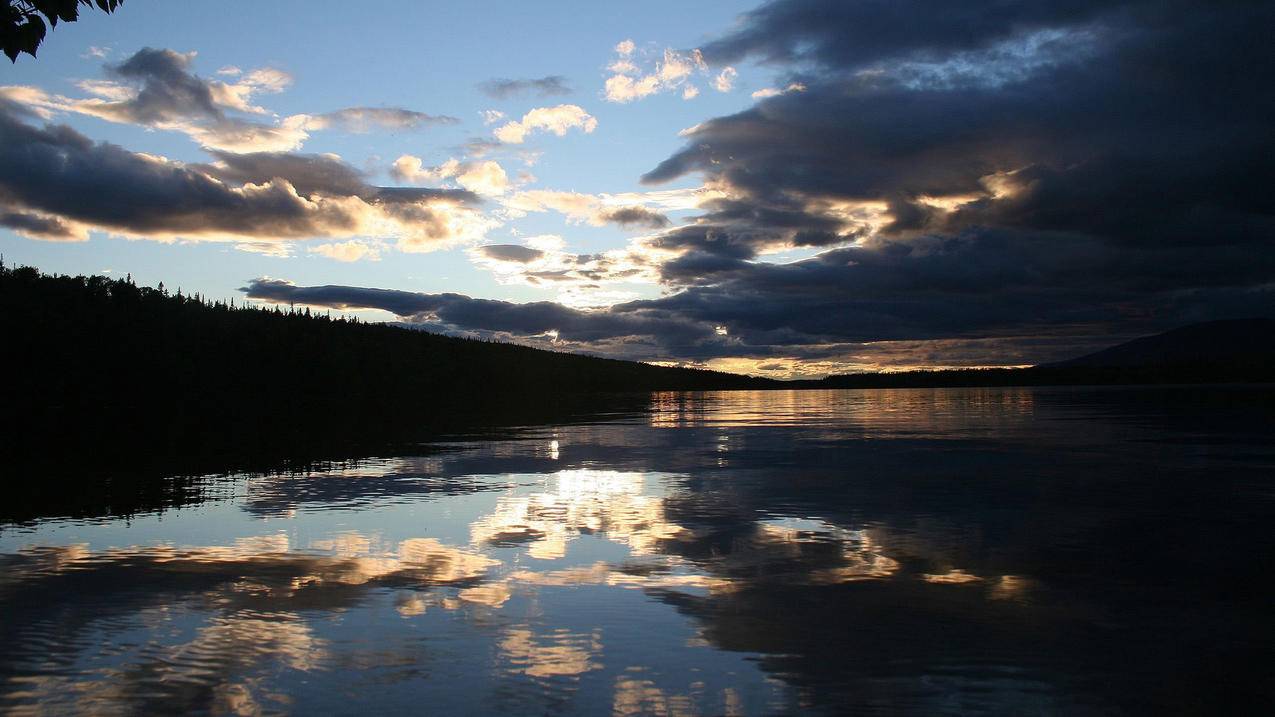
x=1206, y=341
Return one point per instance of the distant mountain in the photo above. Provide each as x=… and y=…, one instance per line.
x=1231, y=351
x=1212, y=342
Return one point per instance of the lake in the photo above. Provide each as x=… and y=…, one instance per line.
x=914, y=551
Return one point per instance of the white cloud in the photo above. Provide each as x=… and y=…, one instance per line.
x=574, y=205
x=492, y=116
x=276, y=249
x=725, y=80
x=665, y=199
x=486, y=178
x=623, y=67
x=549, y=119
x=407, y=168
x=765, y=92
x=670, y=72
x=237, y=95
x=546, y=242
x=677, y=67
x=624, y=48
x=347, y=251
x=622, y=88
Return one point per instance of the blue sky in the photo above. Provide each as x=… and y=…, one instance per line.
x=791, y=188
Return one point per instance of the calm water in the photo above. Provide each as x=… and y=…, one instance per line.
x=1013, y=551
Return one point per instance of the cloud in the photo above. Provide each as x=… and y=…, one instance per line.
x=484, y=177
x=40, y=226
x=766, y=92
x=725, y=80
x=156, y=88
x=1049, y=167
x=347, y=251
x=503, y=88
x=557, y=120
x=832, y=34
x=510, y=252
x=622, y=88
x=670, y=72
x=65, y=180
x=634, y=216
x=592, y=209
x=539, y=322
x=1050, y=178
x=580, y=280
x=360, y=120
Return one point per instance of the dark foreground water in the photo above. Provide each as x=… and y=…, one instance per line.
x=1012, y=551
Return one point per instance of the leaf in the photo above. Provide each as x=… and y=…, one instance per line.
x=22, y=29
x=30, y=34
x=68, y=10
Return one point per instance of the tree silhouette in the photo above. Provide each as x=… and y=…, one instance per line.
x=107, y=365
x=22, y=28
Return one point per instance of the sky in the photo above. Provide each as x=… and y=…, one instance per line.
x=790, y=189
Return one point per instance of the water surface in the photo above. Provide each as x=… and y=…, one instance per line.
x=1007, y=551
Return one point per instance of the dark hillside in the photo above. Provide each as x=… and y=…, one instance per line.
x=1231, y=351
x=1211, y=342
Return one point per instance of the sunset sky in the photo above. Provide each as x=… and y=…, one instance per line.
x=791, y=189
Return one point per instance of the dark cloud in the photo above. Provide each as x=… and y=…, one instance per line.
x=511, y=252
x=364, y=119
x=60, y=175
x=503, y=88
x=39, y=226
x=59, y=171
x=412, y=195
x=856, y=34
x=167, y=94
x=456, y=313
x=309, y=173
x=839, y=304
x=634, y=216
x=998, y=168
x=168, y=90
x=319, y=174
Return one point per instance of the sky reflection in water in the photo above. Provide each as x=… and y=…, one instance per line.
x=1003, y=550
